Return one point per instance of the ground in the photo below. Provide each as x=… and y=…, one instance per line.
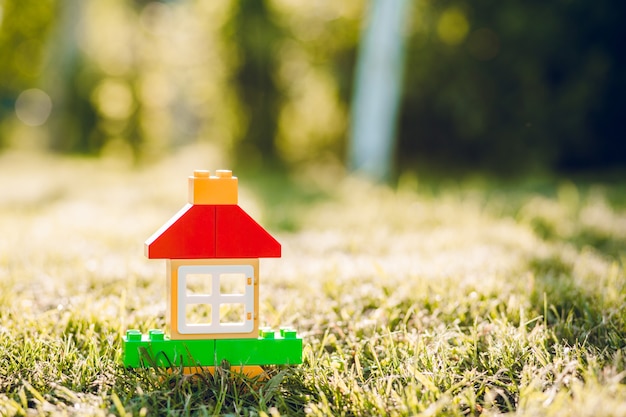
x=464, y=298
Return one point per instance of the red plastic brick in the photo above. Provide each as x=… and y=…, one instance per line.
x=239, y=236
x=190, y=234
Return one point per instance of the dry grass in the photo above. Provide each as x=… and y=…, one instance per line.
x=458, y=300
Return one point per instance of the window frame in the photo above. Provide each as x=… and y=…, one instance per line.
x=215, y=299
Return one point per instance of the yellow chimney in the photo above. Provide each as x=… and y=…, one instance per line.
x=220, y=188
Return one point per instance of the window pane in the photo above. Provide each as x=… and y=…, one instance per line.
x=198, y=314
x=232, y=313
x=233, y=283
x=198, y=284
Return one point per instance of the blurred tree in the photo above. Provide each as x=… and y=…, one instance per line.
x=512, y=86
x=316, y=70
x=24, y=27
x=257, y=38
x=74, y=119
x=502, y=86
x=378, y=82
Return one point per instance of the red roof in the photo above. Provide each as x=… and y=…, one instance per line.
x=211, y=231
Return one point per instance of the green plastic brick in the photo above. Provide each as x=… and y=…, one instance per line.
x=273, y=350
x=155, y=349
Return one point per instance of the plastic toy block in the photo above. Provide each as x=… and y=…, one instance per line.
x=190, y=234
x=254, y=371
x=154, y=349
x=288, y=333
x=211, y=231
x=269, y=349
x=239, y=236
x=174, y=297
x=218, y=189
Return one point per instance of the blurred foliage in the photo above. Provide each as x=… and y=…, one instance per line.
x=505, y=86
x=514, y=85
x=257, y=38
x=23, y=29
x=25, y=26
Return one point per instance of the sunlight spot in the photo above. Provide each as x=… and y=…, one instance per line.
x=33, y=107
x=452, y=26
x=155, y=90
x=113, y=99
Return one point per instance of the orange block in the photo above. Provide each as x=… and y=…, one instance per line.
x=220, y=188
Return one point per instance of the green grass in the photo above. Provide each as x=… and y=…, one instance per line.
x=455, y=300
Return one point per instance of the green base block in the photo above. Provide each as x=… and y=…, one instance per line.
x=156, y=350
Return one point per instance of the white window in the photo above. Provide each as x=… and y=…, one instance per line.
x=215, y=299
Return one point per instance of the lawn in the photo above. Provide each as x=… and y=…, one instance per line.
x=458, y=298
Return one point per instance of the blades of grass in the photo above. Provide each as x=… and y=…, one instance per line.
x=118, y=404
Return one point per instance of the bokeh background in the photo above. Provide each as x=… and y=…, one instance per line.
x=505, y=88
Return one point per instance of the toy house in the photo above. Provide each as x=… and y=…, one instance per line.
x=212, y=249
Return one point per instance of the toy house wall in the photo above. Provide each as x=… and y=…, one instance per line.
x=173, y=298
